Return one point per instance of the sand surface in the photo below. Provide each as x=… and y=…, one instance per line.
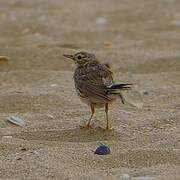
x=139, y=39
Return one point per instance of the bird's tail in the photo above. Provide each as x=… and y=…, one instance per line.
x=120, y=86
x=116, y=89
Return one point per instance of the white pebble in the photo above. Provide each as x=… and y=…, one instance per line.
x=125, y=177
x=101, y=20
x=16, y=120
x=7, y=137
x=50, y=116
x=144, y=178
x=53, y=85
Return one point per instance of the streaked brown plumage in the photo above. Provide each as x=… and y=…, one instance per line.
x=94, y=83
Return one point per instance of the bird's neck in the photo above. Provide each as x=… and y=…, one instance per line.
x=88, y=64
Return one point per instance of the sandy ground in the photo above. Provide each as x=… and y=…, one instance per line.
x=141, y=41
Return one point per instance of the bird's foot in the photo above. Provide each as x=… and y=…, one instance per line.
x=86, y=126
x=107, y=129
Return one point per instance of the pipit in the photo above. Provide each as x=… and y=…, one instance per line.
x=94, y=83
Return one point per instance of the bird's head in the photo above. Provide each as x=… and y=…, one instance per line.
x=81, y=58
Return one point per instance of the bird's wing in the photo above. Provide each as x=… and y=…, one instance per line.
x=93, y=81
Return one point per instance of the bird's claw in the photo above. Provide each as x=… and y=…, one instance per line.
x=86, y=126
x=106, y=129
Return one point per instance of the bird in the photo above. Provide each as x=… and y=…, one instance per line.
x=94, y=84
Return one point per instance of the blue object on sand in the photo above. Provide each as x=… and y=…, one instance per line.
x=102, y=150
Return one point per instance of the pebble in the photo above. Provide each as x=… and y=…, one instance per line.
x=124, y=177
x=146, y=93
x=4, y=58
x=144, y=178
x=19, y=158
x=102, y=150
x=16, y=120
x=23, y=149
x=53, y=85
x=138, y=105
x=50, y=116
x=7, y=137
x=101, y=20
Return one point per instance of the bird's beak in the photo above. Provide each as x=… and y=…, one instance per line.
x=68, y=56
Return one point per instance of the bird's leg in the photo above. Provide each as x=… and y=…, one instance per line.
x=88, y=125
x=92, y=114
x=107, y=119
x=122, y=98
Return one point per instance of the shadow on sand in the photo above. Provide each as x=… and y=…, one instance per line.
x=71, y=135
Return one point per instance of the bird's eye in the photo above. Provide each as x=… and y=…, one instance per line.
x=79, y=57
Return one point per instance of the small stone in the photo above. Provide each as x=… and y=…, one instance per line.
x=101, y=20
x=145, y=178
x=50, y=116
x=7, y=137
x=102, y=150
x=138, y=105
x=125, y=177
x=23, y=149
x=4, y=58
x=18, y=91
x=146, y=93
x=53, y=85
x=16, y=120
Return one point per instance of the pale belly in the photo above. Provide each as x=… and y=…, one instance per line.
x=96, y=104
